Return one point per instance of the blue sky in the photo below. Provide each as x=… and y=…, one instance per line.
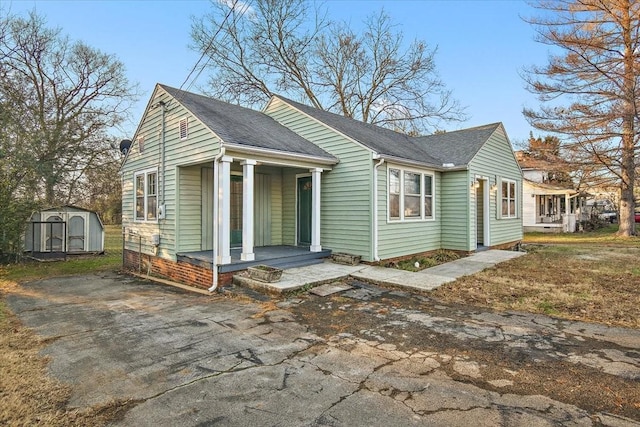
x=482, y=45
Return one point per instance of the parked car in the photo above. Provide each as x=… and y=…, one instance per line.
x=609, y=216
x=637, y=216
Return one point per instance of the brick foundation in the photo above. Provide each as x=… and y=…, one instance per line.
x=181, y=272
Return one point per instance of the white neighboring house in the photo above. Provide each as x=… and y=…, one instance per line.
x=547, y=207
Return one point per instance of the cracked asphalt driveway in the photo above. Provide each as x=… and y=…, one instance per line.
x=366, y=357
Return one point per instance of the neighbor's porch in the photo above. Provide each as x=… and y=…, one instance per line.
x=558, y=212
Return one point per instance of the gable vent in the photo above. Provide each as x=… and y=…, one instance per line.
x=141, y=144
x=184, y=128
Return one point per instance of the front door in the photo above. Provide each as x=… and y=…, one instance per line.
x=304, y=211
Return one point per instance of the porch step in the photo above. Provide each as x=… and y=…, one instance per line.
x=283, y=262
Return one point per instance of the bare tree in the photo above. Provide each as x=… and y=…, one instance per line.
x=288, y=47
x=65, y=98
x=590, y=91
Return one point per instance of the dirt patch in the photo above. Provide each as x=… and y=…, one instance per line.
x=574, y=282
x=530, y=369
x=29, y=395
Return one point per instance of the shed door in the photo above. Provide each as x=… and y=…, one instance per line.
x=78, y=224
x=53, y=232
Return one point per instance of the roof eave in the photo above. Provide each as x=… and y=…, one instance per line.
x=281, y=154
x=403, y=161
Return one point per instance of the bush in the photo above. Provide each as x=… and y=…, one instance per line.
x=14, y=215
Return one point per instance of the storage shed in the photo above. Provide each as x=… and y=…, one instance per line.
x=64, y=230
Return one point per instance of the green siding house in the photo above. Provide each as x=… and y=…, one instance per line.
x=210, y=188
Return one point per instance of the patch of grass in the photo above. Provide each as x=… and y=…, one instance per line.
x=420, y=263
x=605, y=236
x=34, y=270
x=575, y=281
x=442, y=256
x=415, y=264
x=547, y=307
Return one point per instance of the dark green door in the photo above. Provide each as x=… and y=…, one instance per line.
x=236, y=211
x=304, y=211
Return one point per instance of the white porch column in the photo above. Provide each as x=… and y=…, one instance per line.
x=315, y=210
x=224, y=195
x=247, y=210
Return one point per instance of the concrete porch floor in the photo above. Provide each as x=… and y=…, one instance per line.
x=425, y=280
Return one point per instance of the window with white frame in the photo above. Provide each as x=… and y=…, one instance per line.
x=508, y=197
x=411, y=195
x=428, y=196
x=394, y=194
x=184, y=128
x=146, y=191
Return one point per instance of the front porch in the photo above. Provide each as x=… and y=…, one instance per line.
x=557, y=212
x=282, y=256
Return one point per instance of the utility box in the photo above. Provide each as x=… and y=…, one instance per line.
x=155, y=239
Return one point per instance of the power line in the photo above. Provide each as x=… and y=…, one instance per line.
x=204, y=51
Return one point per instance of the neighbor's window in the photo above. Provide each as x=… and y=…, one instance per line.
x=508, y=198
x=146, y=191
x=411, y=195
x=184, y=128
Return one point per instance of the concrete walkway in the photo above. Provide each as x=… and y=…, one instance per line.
x=425, y=280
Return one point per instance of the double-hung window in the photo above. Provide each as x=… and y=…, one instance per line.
x=428, y=196
x=411, y=195
x=508, y=197
x=146, y=195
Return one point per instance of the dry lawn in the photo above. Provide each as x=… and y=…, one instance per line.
x=574, y=281
x=29, y=396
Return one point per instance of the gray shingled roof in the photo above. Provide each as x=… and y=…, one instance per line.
x=457, y=147
x=244, y=126
x=382, y=141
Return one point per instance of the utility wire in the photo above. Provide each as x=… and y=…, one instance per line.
x=204, y=51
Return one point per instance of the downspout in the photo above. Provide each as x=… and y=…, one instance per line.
x=215, y=231
x=162, y=156
x=376, y=156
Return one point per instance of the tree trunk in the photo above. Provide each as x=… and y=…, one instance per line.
x=627, y=225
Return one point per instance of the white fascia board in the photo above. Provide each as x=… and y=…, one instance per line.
x=276, y=154
x=402, y=161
